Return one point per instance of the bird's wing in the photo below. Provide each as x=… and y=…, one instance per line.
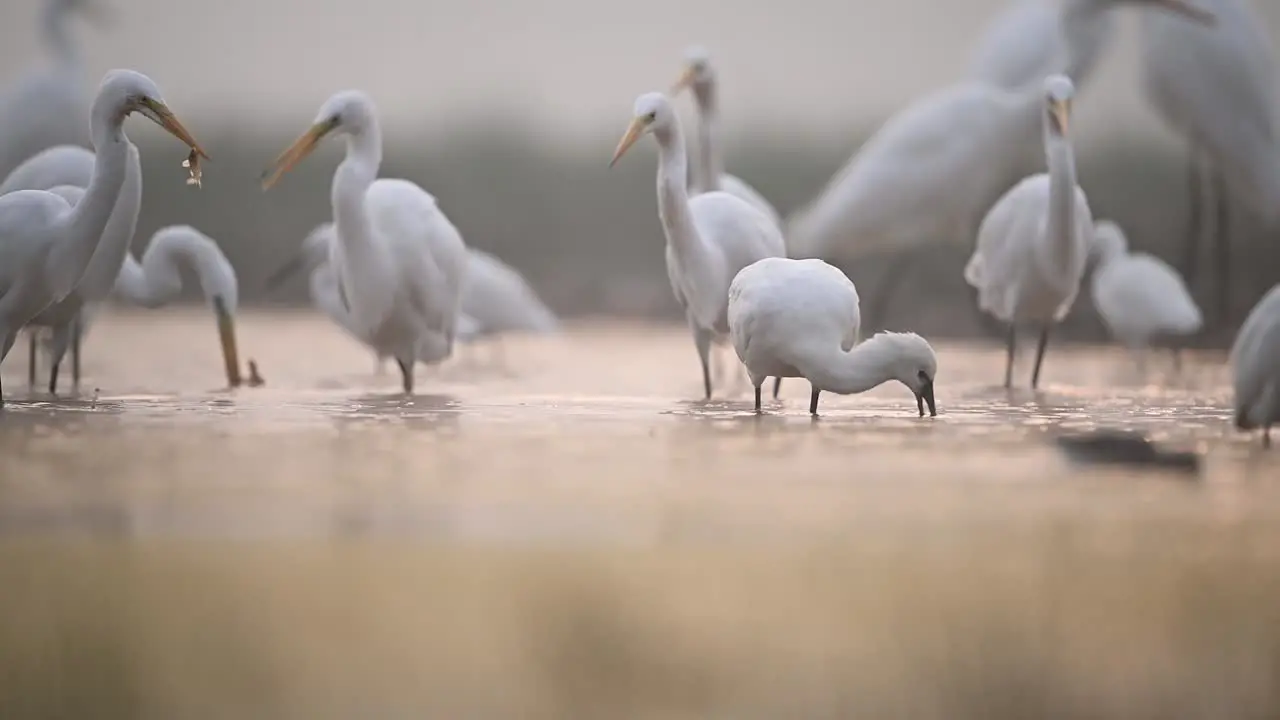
x=738, y=187
x=1004, y=240
x=24, y=242
x=58, y=165
x=499, y=298
x=1141, y=293
x=1256, y=347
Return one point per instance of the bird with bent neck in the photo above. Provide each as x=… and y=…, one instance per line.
x=397, y=260
x=1033, y=245
x=800, y=318
x=47, y=243
x=710, y=236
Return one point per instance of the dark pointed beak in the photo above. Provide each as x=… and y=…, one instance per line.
x=926, y=396
x=282, y=273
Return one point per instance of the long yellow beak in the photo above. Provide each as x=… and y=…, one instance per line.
x=1062, y=114
x=684, y=81
x=296, y=152
x=160, y=114
x=634, y=131
x=227, y=334
x=1189, y=11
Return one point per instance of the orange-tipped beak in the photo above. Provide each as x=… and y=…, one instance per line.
x=296, y=152
x=634, y=131
x=160, y=114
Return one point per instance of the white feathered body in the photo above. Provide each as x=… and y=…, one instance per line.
x=739, y=188
x=497, y=299
x=926, y=176
x=735, y=234
x=31, y=275
x=1019, y=275
x=786, y=315
x=1140, y=296
x=411, y=310
x=1255, y=365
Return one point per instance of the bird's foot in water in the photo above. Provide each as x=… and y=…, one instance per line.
x=255, y=380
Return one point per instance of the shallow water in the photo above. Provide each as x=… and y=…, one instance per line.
x=570, y=526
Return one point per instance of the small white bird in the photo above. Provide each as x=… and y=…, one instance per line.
x=799, y=318
x=46, y=244
x=1138, y=295
x=707, y=170
x=72, y=165
x=398, y=262
x=1034, y=243
x=47, y=106
x=1255, y=363
x=710, y=236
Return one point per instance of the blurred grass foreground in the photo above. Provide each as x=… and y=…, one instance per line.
x=1044, y=622
x=589, y=240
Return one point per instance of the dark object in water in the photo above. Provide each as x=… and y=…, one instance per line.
x=1125, y=447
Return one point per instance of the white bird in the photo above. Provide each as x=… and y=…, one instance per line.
x=799, y=318
x=72, y=165
x=495, y=298
x=1024, y=43
x=933, y=169
x=1034, y=243
x=707, y=170
x=1217, y=87
x=1255, y=365
x=398, y=262
x=46, y=244
x=1138, y=295
x=157, y=281
x=710, y=236
x=48, y=105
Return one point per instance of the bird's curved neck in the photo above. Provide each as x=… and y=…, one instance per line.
x=358, y=170
x=80, y=236
x=1085, y=32
x=157, y=280
x=673, y=195
x=709, y=167
x=109, y=257
x=57, y=35
x=1062, y=228
x=860, y=369
x=363, y=264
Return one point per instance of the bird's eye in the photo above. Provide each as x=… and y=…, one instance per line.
x=651, y=116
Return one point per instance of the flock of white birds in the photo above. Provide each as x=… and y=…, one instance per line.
x=989, y=159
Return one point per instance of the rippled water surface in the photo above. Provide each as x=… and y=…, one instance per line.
x=561, y=518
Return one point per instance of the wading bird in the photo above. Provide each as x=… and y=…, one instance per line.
x=1139, y=296
x=73, y=165
x=1033, y=244
x=708, y=166
x=48, y=106
x=710, y=236
x=1255, y=364
x=1217, y=88
x=932, y=170
x=799, y=318
x=46, y=244
x=398, y=263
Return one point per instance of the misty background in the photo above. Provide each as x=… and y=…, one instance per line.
x=508, y=111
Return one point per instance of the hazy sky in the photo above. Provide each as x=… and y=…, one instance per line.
x=571, y=65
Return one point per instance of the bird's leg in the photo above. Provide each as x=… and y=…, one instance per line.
x=1177, y=359
x=1011, y=346
x=813, y=401
x=1266, y=435
x=1222, y=247
x=777, y=387
x=702, y=339
x=9, y=338
x=58, y=346
x=1191, y=243
x=406, y=375
x=33, y=338
x=757, y=399
x=75, y=354
x=53, y=378
x=1035, y=372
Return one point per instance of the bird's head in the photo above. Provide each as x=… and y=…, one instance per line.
x=1108, y=241
x=907, y=358
x=653, y=114
x=698, y=75
x=1058, y=94
x=124, y=92
x=350, y=112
